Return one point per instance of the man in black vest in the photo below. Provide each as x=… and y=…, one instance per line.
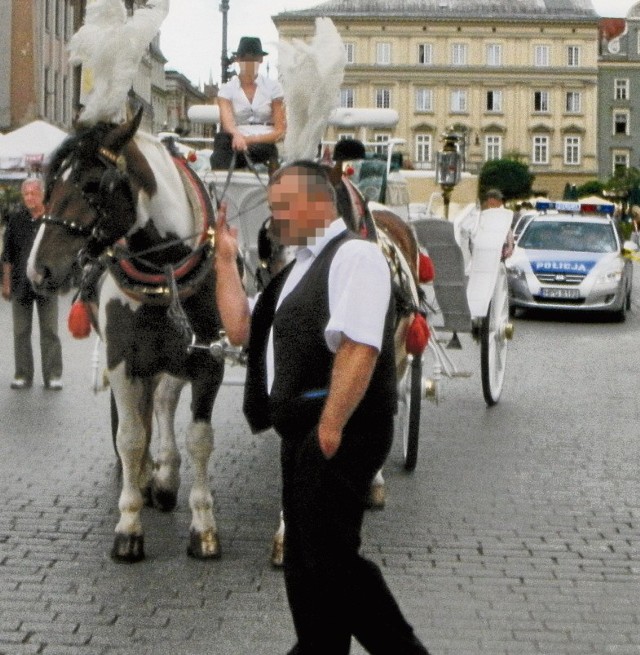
x=321, y=371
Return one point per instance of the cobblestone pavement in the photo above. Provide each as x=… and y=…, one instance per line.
x=518, y=533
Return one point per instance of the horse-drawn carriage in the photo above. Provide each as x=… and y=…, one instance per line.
x=467, y=295
x=137, y=222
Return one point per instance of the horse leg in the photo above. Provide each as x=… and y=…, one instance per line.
x=133, y=399
x=203, y=533
x=377, y=492
x=166, y=479
x=277, y=550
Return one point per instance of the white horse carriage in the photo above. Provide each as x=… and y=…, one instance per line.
x=137, y=222
x=468, y=294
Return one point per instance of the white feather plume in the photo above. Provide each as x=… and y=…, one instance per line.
x=110, y=46
x=311, y=75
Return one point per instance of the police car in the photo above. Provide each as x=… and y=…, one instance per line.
x=570, y=256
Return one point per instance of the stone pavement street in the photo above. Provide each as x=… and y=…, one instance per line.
x=518, y=533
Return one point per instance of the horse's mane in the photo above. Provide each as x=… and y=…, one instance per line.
x=76, y=147
x=84, y=145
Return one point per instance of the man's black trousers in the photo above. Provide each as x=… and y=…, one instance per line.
x=333, y=591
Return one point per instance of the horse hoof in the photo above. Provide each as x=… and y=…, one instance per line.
x=277, y=553
x=128, y=548
x=164, y=500
x=377, y=497
x=204, y=545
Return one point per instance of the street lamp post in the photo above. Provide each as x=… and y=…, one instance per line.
x=224, y=60
x=448, y=168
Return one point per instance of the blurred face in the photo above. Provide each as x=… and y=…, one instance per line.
x=32, y=196
x=249, y=65
x=299, y=213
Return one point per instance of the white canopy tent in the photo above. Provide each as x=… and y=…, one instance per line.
x=32, y=142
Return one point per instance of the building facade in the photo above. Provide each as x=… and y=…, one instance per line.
x=618, y=88
x=511, y=77
x=36, y=79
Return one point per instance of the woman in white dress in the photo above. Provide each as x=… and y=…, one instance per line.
x=252, y=112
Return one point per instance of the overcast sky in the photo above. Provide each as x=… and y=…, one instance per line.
x=191, y=35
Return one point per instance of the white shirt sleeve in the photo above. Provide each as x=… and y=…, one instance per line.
x=359, y=292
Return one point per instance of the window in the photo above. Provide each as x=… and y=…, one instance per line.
x=493, y=147
x=347, y=97
x=494, y=101
x=383, y=53
x=573, y=103
x=381, y=138
x=572, y=150
x=346, y=135
x=621, y=122
x=573, y=55
x=425, y=53
x=541, y=55
x=423, y=149
x=541, y=101
x=494, y=54
x=350, y=52
x=620, y=163
x=540, y=150
x=459, y=54
x=383, y=98
x=459, y=100
x=57, y=16
x=424, y=99
x=621, y=89
x=56, y=97
x=65, y=99
x=46, y=95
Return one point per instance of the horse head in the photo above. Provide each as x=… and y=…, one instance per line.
x=91, y=193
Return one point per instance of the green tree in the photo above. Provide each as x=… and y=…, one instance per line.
x=590, y=188
x=512, y=177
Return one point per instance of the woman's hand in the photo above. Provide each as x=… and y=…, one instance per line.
x=239, y=142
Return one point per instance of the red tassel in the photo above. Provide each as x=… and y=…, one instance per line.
x=426, y=269
x=417, y=335
x=78, y=320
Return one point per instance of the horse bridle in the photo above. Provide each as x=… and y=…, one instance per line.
x=112, y=181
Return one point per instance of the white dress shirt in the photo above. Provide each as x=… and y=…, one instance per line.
x=253, y=117
x=359, y=291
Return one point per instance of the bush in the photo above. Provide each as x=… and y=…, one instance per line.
x=512, y=177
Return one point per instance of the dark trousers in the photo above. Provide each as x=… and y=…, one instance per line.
x=50, y=348
x=259, y=153
x=333, y=591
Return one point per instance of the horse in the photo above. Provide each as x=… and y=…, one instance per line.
x=400, y=247
x=134, y=219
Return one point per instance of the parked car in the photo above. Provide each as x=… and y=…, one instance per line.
x=571, y=256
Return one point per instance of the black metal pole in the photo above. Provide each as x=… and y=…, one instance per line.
x=224, y=60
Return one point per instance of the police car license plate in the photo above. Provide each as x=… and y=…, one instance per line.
x=559, y=293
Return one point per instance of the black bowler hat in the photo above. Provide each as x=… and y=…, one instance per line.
x=251, y=46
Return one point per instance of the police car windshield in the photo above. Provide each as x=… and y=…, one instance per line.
x=575, y=237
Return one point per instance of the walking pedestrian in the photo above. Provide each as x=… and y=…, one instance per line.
x=321, y=371
x=16, y=287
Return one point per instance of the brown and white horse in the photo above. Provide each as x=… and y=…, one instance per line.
x=116, y=198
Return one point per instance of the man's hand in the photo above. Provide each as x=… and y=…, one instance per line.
x=329, y=440
x=226, y=238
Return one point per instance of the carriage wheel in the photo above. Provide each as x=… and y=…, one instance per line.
x=495, y=332
x=408, y=417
